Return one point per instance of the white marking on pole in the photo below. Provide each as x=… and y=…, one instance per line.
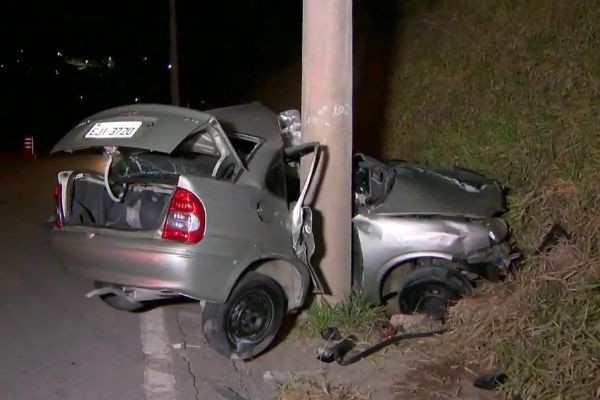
x=159, y=382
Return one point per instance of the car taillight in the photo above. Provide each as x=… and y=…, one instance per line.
x=186, y=218
x=58, y=220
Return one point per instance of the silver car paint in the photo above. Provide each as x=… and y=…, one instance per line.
x=238, y=235
x=407, y=212
x=164, y=127
x=387, y=242
x=423, y=191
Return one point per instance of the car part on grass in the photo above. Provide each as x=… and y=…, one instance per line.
x=337, y=351
x=340, y=351
x=552, y=237
x=490, y=381
x=331, y=333
x=247, y=323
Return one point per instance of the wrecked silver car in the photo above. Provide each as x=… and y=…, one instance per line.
x=422, y=236
x=191, y=204
x=208, y=205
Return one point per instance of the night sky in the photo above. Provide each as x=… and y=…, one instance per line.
x=62, y=60
x=226, y=49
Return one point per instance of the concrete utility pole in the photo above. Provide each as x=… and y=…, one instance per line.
x=327, y=118
x=173, y=58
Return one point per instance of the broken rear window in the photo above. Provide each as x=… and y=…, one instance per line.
x=197, y=155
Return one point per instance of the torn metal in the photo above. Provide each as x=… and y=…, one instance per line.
x=399, y=188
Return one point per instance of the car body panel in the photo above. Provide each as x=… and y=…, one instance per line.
x=417, y=190
x=386, y=242
x=254, y=119
x=406, y=212
x=229, y=246
x=163, y=128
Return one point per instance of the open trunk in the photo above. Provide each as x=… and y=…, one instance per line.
x=143, y=207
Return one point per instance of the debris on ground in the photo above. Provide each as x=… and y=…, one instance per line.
x=342, y=351
x=491, y=381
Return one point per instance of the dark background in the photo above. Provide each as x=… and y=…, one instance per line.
x=225, y=48
x=228, y=50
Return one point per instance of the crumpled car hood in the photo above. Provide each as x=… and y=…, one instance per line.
x=417, y=190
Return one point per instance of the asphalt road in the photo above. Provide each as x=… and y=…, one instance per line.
x=54, y=343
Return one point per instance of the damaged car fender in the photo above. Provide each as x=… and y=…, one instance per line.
x=387, y=242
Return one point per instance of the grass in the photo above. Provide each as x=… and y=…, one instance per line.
x=353, y=315
x=512, y=88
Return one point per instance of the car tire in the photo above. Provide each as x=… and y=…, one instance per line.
x=247, y=323
x=118, y=302
x=430, y=288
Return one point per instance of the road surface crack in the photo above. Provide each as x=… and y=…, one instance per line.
x=241, y=379
x=185, y=359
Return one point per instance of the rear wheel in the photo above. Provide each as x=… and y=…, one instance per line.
x=430, y=288
x=118, y=302
x=247, y=323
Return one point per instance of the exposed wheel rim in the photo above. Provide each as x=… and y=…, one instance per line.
x=250, y=318
x=428, y=298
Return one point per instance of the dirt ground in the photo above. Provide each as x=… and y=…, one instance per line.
x=291, y=371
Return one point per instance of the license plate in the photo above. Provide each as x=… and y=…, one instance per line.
x=113, y=130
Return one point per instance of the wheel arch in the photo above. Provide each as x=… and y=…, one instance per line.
x=293, y=278
x=394, y=269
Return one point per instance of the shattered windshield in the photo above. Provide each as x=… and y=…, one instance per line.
x=198, y=155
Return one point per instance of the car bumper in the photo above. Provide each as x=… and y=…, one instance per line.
x=146, y=262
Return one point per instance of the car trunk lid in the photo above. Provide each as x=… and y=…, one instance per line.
x=151, y=127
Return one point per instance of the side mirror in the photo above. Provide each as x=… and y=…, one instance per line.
x=290, y=124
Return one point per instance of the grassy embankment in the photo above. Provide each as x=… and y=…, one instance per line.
x=512, y=88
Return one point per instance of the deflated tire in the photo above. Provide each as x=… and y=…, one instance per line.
x=247, y=323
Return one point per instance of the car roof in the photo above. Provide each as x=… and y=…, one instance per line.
x=252, y=118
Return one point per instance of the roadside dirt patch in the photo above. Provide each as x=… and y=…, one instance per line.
x=444, y=379
x=290, y=369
